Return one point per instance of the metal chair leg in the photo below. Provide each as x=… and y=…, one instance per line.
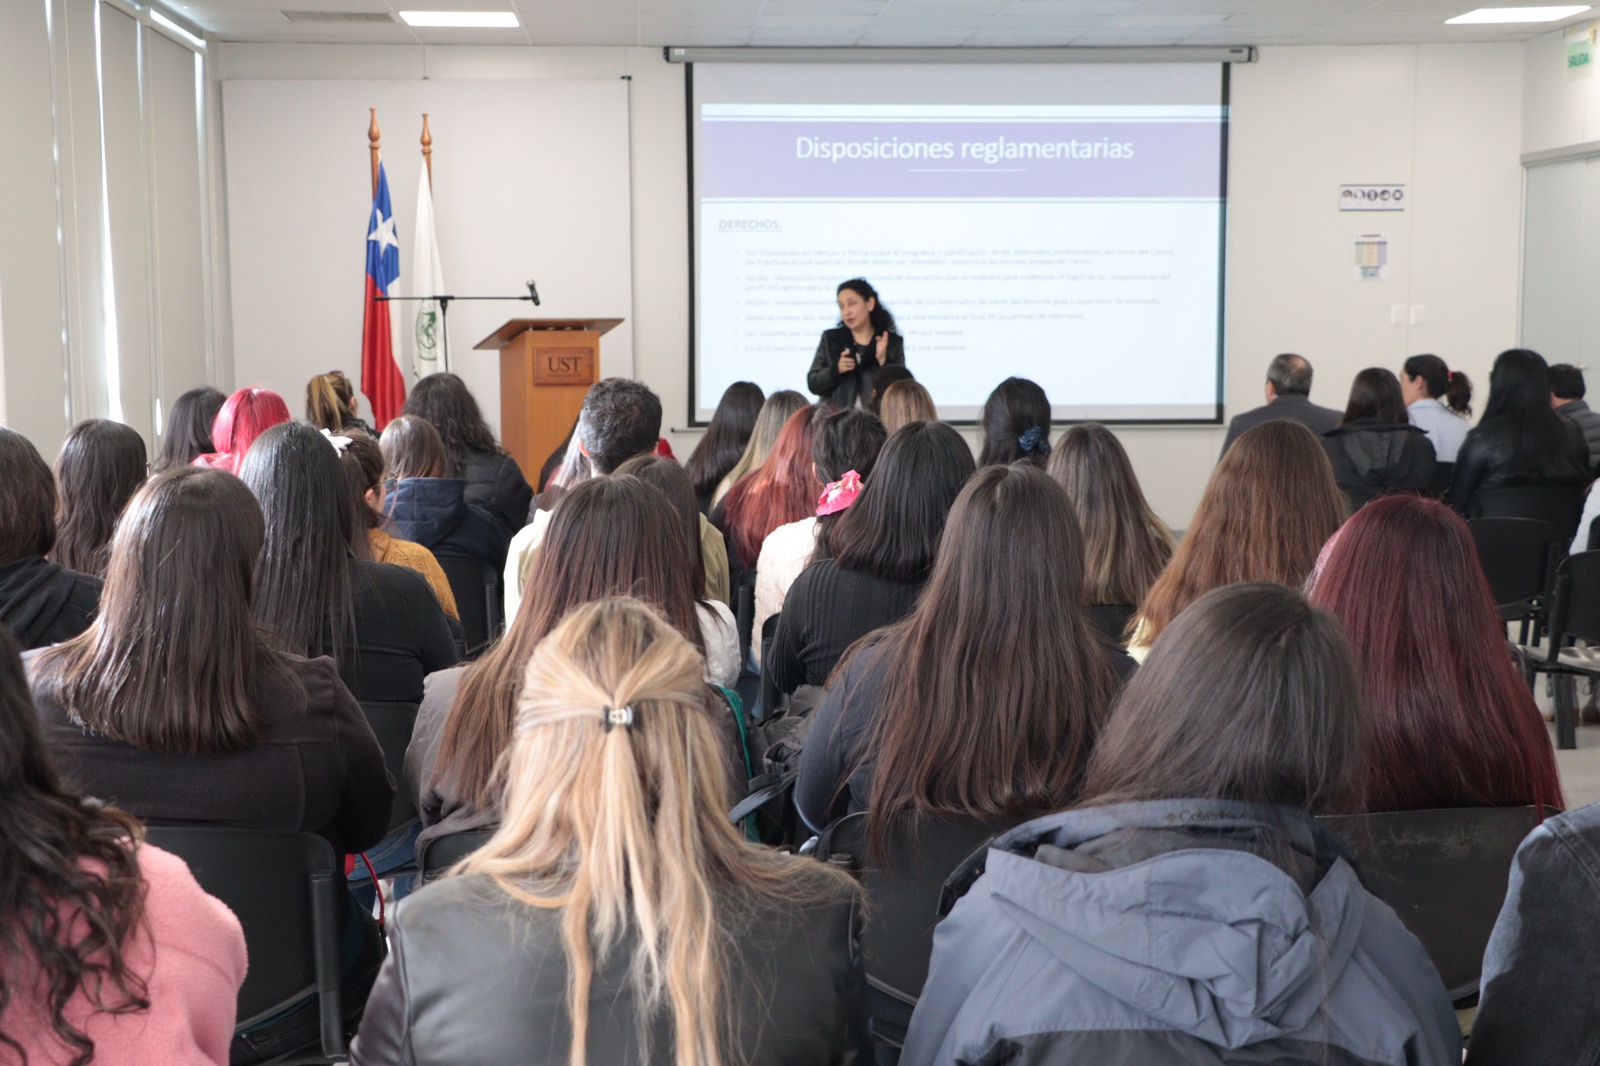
x=1566, y=712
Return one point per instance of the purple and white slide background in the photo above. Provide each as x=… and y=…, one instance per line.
x=1070, y=271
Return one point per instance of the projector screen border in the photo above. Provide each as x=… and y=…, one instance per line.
x=1172, y=54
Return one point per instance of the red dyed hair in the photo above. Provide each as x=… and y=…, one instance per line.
x=242, y=418
x=1450, y=721
x=784, y=489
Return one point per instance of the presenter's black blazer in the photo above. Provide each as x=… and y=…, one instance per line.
x=854, y=388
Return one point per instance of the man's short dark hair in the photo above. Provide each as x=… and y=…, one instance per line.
x=620, y=419
x=1290, y=374
x=1566, y=382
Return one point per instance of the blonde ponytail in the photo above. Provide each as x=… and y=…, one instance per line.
x=325, y=407
x=615, y=812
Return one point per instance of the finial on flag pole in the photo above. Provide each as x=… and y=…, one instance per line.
x=373, y=134
x=427, y=147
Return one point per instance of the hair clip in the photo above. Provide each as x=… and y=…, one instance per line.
x=339, y=443
x=615, y=716
x=1033, y=440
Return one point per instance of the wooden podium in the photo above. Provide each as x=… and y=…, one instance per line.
x=546, y=368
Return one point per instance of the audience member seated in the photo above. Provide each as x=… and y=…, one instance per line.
x=1438, y=402
x=775, y=411
x=905, y=402
x=380, y=624
x=1566, y=396
x=1125, y=545
x=494, y=481
x=783, y=490
x=1375, y=450
x=1190, y=908
x=617, y=916
x=362, y=461
x=425, y=505
x=1548, y=935
x=188, y=428
x=619, y=420
x=724, y=440
x=113, y=953
x=40, y=602
x=610, y=536
x=98, y=470
x=1268, y=509
x=1451, y=723
x=1016, y=424
x=718, y=631
x=331, y=403
x=844, y=451
x=242, y=418
x=872, y=565
x=985, y=701
x=174, y=706
x=1520, y=440
x=892, y=374
x=1288, y=397
x=554, y=463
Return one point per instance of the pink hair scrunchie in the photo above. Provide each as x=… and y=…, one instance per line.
x=840, y=494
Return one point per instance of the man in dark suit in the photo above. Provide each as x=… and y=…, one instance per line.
x=1288, y=396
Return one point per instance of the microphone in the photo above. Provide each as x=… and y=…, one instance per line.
x=533, y=292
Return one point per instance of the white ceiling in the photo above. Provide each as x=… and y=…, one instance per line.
x=883, y=23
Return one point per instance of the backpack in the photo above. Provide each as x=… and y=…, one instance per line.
x=772, y=756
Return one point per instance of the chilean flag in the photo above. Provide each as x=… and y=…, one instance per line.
x=380, y=375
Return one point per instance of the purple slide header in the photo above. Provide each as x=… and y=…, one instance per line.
x=1069, y=158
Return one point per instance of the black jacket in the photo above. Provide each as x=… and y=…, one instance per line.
x=43, y=604
x=495, y=483
x=434, y=512
x=1372, y=459
x=849, y=390
x=1290, y=408
x=473, y=979
x=1489, y=460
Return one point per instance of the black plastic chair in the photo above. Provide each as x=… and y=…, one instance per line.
x=1560, y=505
x=1574, y=615
x=441, y=853
x=903, y=893
x=288, y=892
x=744, y=612
x=479, y=593
x=1444, y=872
x=1518, y=556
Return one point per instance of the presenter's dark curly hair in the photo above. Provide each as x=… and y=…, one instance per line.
x=71, y=896
x=445, y=401
x=882, y=320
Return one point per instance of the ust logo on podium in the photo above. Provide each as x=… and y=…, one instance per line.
x=563, y=366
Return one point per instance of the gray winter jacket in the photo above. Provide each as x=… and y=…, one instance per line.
x=1589, y=422
x=1157, y=933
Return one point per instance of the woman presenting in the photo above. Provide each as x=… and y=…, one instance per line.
x=849, y=355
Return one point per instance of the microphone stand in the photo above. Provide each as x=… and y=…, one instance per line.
x=445, y=299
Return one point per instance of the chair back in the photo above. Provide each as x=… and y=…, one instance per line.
x=477, y=588
x=393, y=723
x=288, y=892
x=1560, y=505
x=443, y=852
x=903, y=890
x=744, y=612
x=1515, y=554
x=1444, y=872
x=1575, y=607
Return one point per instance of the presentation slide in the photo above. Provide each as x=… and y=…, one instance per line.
x=1058, y=222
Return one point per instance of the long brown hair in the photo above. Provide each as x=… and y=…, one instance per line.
x=1269, y=507
x=673, y=482
x=98, y=469
x=1250, y=695
x=412, y=447
x=621, y=826
x=1125, y=544
x=71, y=896
x=330, y=401
x=608, y=536
x=905, y=402
x=169, y=663
x=996, y=683
x=27, y=500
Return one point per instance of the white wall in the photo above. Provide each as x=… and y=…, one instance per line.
x=1559, y=109
x=1444, y=119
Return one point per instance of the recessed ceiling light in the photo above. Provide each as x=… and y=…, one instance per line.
x=1485, y=15
x=493, y=20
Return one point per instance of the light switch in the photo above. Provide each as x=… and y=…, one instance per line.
x=1419, y=314
x=1397, y=314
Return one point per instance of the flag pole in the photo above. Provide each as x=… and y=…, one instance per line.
x=373, y=134
x=427, y=149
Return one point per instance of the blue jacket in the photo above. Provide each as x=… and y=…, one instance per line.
x=434, y=512
x=1175, y=932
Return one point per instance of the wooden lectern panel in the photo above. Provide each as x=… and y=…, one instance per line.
x=544, y=376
